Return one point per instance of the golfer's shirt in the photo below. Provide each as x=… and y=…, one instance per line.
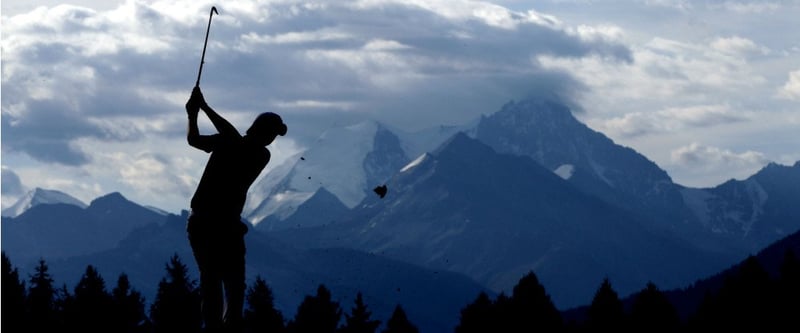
x=233, y=166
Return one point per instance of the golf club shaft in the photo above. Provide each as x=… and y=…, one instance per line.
x=203, y=57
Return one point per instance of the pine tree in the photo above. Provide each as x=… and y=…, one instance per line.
x=788, y=291
x=128, y=307
x=606, y=312
x=748, y=298
x=13, y=298
x=399, y=323
x=42, y=300
x=318, y=314
x=743, y=303
x=90, y=306
x=478, y=317
x=177, y=304
x=503, y=312
x=64, y=303
x=358, y=321
x=653, y=312
x=531, y=308
x=708, y=311
x=260, y=315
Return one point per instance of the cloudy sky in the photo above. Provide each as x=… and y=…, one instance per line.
x=93, y=90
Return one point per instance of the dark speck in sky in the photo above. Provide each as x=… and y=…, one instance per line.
x=381, y=191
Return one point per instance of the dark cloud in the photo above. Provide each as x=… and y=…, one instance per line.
x=392, y=62
x=11, y=184
x=46, y=132
x=457, y=68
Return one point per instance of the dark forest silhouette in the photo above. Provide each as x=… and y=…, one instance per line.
x=749, y=299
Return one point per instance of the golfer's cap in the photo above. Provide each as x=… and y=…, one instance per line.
x=270, y=121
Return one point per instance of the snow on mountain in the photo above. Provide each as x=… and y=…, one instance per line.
x=494, y=217
x=565, y=171
x=426, y=140
x=322, y=207
x=758, y=210
x=40, y=196
x=331, y=162
x=415, y=162
x=347, y=161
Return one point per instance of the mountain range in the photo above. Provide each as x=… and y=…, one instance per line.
x=431, y=298
x=468, y=208
x=492, y=187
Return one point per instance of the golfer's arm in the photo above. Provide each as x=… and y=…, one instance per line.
x=222, y=125
x=193, y=132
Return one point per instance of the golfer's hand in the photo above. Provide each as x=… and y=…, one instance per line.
x=198, y=98
x=195, y=102
x=192, y=108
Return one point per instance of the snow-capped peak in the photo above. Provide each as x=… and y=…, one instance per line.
x=40, y=196
x=414, y=163
x=335, y=161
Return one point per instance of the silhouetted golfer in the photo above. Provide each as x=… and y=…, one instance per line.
x=216, y=231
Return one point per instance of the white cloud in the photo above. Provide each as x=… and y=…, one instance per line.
x=712, y=157
x=750, y=7
x=75, y=182
x=490, y=14
x=303, y=37
x=738, y=46
x=702, y=164
x=156, y=173
x=736, y=6
x=600, y=32
x=313, y=104
x=670, y=120
x=791, y=90
x=676, y=4
x=664, y=74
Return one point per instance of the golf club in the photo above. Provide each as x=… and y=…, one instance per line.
x=203, y=57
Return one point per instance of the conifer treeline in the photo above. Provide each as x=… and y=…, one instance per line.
x=748, y=300
x=39, y=305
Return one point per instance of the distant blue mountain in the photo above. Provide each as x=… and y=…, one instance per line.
x=494, y=217
x=756, y=211
x=63, y=230
x=547, y=132
x=39, y=196
x=432, y=298
x=424, y=219
x=737, y=218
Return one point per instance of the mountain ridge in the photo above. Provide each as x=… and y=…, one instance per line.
x=468, y=204
x=459, y=209
x=39, y=196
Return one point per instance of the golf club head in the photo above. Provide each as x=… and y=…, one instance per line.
x=214, y=10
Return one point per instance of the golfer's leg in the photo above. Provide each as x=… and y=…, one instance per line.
x=212, y=302
x=210, y=279
x=234, y=282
